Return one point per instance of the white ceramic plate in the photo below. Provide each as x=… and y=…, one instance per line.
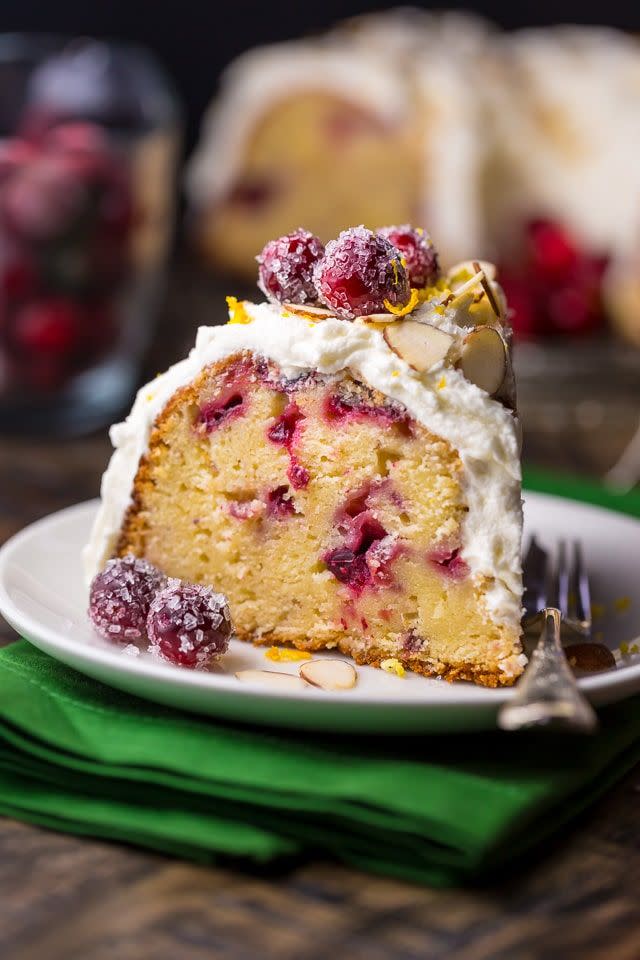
x=42, y=594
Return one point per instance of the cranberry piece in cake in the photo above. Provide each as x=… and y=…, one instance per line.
x=359, y=272
x=418, y=253
x=120, y=597
x=188, y=624
x=286, y=265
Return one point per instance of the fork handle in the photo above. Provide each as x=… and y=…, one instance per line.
x=548, y=694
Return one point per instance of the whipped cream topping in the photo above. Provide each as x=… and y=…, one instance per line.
x=482, y=430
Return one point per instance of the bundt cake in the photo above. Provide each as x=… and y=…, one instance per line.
x=341, y=461
x=438, y=118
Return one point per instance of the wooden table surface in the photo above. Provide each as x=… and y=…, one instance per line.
x=64, y=898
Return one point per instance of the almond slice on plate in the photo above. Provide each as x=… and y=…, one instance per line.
x=272, y=678
x=308, y=310
x=483, y=359
x=420, y=344
x=329, y=674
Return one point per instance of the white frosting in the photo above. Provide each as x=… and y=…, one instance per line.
x=479, y=428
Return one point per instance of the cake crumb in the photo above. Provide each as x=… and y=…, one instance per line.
x=131, y=650
x=280, y=654
x=622, y=604
x=393, y=666
x=442, y=382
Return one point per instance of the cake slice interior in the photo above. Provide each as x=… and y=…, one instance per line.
x=327, y=514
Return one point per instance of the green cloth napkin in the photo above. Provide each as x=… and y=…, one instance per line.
x=80, y=757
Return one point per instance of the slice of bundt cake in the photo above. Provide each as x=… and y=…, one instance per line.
x=341, y=462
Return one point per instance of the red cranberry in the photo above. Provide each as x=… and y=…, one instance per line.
x=224, y=408
x=15, y=154
x=18, y=279
x=418, y=252
x=283, y=429
x=358, y=272
x=44, y=199
x=298, y=475
x=81, y=137
x=51, y=326
x=188, y=624
x=348, y=563
x=526, y=311
x=551, y=250
x=120, y=597
x=450, y=562
x=286, y=267
x=574, y=311
x=280, y=502
x=349, y=567
x=340, y=407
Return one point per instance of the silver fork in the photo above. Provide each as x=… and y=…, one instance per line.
x=547, y=694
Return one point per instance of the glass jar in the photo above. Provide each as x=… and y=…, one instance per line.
x=89, y=141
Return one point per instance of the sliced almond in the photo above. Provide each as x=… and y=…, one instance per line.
x=487, y=289
x=380, y=318
x=308, y=310
x=329, y=674
x=272, y=678
x=483, y=359
x=420, y=344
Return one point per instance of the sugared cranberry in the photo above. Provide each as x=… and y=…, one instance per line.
x=359, y=271
x=188, y=624
x=225, y=407
x=418, y=253
x=120, y=597
x=51, y=326
x=285, y=272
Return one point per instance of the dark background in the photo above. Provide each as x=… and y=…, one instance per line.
x=194, y=40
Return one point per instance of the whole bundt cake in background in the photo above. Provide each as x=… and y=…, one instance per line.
x=437, y=118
